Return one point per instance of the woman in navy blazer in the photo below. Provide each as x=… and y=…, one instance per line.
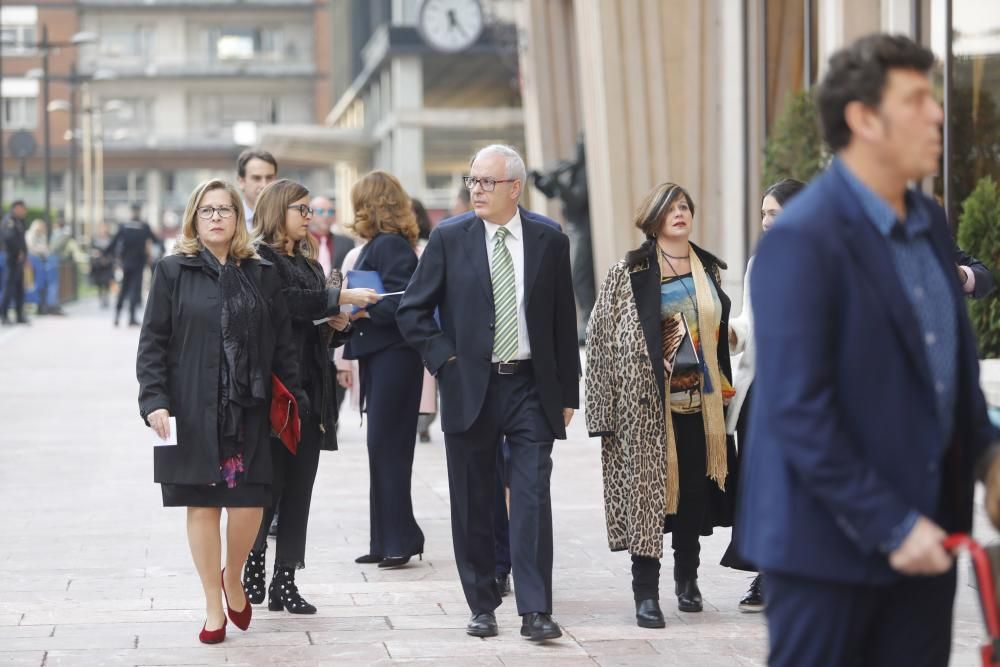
x=391, y=370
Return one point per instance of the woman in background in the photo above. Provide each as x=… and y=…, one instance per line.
x=741, y=342
x=391, y=370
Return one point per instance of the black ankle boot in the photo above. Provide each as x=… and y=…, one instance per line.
x=284, y=594
x=688, y=595
x=254, y=573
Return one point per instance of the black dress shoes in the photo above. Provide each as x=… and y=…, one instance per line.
x=538, y=627
x=688, y=595
x=753, y=601
x=648, y=614
x=503, y=584
x=368, y=559
x=482, y=625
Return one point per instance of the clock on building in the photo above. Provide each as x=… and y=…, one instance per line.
x=450, y=25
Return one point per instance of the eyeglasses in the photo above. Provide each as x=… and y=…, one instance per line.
x=206, y=212
x=487, y=184
x=303, y=210
x=324, y=211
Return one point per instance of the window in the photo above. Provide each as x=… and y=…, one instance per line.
x=127, y=42
x=18, y=33
x=259, y=43
x=20, y=103
x=20, y=113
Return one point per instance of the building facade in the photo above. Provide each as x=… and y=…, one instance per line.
x=170, y=91
x=404, y=106
x=689, y=91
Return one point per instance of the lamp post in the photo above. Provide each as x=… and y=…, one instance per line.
x=45, y=46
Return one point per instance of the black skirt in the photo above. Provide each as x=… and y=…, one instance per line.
x=216, y=495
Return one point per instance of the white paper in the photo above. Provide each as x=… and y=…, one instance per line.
x=171, y=439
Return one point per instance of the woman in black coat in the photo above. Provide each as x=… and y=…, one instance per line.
x=214, y=331
x=281, y=223
x=391, y=371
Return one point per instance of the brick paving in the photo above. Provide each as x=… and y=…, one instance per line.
x=93, y=571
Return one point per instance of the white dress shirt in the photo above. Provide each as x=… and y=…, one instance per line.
x=248, y=215
x=515, y=246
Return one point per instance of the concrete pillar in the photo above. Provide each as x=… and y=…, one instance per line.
x=345, y=175
x=407, y=148
x=154, y=199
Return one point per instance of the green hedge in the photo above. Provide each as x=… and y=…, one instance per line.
x=795, y=147
x=979, y=235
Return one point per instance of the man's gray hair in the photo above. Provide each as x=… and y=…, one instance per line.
x=514, y=164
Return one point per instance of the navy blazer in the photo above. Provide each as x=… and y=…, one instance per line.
x=392, y=256
x=453, y=276
x=844, y=437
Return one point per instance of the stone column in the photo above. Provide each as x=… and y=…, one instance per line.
x=407, y=148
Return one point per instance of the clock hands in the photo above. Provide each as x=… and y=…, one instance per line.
x=453, y=23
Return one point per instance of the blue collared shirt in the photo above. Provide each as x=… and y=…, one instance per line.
x=926, y=287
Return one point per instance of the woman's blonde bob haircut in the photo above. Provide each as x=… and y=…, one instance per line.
x=381, y=206
x=240, y=247
x=271, y=213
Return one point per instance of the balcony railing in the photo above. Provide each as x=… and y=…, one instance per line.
x=195, y=4
x=199, y=69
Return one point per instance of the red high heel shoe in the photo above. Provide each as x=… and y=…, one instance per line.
x=212, y=636
x=240, y=619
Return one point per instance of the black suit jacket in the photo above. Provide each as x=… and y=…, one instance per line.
x=453, y=277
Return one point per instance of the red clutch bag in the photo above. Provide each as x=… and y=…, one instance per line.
x=284, y=415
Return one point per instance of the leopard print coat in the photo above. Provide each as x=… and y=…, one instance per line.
x=624, y=406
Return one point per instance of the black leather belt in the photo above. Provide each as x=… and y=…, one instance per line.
x=512, y=367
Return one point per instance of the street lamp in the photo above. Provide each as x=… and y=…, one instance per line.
x=45, y=46
x=71, y=134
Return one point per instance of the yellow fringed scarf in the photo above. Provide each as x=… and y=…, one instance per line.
x=712, y=413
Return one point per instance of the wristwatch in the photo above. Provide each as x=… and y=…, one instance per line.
x=963, y=275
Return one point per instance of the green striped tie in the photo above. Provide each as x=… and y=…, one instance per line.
x=504, y=299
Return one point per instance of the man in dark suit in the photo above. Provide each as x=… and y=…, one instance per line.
x=12, y=238
x=867, y=417
x=507, y=362
x=332, y=246
x=132, y=245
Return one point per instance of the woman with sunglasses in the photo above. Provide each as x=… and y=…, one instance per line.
x=281, y=225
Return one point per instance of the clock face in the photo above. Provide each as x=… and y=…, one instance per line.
x=450, y=25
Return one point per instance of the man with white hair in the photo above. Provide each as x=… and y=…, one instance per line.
x=505, y=353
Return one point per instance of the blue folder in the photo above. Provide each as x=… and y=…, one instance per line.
x=362, y=279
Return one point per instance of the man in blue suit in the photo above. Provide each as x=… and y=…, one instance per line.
x=506, y=357
x=868, y=417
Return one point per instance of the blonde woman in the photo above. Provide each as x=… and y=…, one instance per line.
x=214, y=331
x=391, y=370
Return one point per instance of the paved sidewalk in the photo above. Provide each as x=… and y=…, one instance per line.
x=94, y=571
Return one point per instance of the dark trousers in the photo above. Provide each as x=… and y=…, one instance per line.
x=513, y=409
x=392, y=381
x=732, y=557
x=692, y=506
x=501, y=522
x=291, y=489
x=13, y=290
x=131, y=287
x=813, y=622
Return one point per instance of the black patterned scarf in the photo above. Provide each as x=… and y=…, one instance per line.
x=242, y=383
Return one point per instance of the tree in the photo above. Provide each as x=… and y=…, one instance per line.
x=979, y=235
x=795, y=147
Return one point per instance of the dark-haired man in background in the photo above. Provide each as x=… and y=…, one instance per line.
x=868, y=417
x=254, y=170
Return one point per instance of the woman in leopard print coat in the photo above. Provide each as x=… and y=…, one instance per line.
x=647, y=447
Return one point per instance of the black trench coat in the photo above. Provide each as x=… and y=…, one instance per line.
x=180, y=350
